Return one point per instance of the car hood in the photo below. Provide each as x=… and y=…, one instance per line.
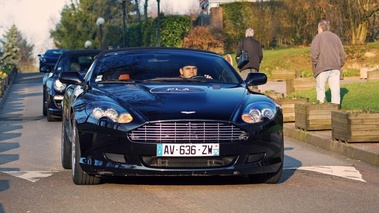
x=157, y=102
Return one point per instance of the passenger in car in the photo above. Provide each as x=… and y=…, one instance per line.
x=75, y=67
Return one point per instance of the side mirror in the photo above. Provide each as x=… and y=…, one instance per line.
x=256, y=78
x=70, y=78
x=45, y=69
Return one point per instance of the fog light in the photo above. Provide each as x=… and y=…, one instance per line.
x=255, y=157
x=119, y=158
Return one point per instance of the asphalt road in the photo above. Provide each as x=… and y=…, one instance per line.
x=32, y=179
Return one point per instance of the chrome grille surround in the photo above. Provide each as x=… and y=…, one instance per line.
x=193, y=132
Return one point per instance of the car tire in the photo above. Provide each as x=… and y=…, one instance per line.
x=270, y=178
x=65, y=148
x=79, y=177
x=44, y=107
x=49, y=117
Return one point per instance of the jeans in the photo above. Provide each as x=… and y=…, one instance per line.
x=333, y=78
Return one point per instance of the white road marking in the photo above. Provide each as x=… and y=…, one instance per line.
x=32, y=176
x=348, y=172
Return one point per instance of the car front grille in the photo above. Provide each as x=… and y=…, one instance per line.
x=193, y=132
x=188, y=162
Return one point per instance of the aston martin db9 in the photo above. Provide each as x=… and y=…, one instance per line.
x=168, y=111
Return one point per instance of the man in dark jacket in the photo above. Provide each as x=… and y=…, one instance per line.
x=254, y=50
x=327, y=56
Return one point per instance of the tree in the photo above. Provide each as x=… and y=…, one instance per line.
x=78, y=23
x=145, y=9
x=26, y=53
x=360, y=11
x=10, y=48
x=136, y=3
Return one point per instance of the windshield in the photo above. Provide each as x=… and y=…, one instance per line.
x=163, y=67
x=77, y=62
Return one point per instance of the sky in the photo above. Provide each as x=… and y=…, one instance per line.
x=35, y=18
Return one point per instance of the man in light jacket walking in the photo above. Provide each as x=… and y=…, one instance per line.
x=327, y=56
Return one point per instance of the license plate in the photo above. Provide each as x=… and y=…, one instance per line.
x=188, y=150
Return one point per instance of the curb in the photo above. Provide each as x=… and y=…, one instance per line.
x=318, y=140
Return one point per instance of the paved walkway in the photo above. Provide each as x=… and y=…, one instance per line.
x=366, y=152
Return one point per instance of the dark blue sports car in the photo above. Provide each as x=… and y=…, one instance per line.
x=52, y=89
x=49, y=58
x=168, y=111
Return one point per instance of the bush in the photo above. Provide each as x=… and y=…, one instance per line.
x=6, y=69
x=204, y=38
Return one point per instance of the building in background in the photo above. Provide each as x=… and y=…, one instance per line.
x=205, y=18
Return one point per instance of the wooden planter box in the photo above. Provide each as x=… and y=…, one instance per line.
x=282, y=75
x=288, y=106
x=372, y=75
x=314, y=116
x=355, y=126
x=299, y=84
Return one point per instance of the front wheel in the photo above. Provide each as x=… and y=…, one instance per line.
x=44, y=107
x=49, y=116
x=270, y=178
x=79, y=177
x=65, y=148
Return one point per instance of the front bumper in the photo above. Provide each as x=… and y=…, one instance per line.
x=115, y=155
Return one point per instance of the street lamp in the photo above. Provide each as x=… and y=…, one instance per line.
x=99, y=22
x=123, y=5
x=87, y=44
x=159, y=23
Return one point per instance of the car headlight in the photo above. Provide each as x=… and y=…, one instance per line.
x=112, y=114
x=257, y=112
x=59, y=86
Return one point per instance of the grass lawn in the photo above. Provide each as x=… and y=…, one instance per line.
x=354, y=96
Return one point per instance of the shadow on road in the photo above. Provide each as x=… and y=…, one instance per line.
x=27, y=78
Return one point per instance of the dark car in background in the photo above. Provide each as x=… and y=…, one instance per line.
x=53, y=90
x=49, y=58
x=132, y=114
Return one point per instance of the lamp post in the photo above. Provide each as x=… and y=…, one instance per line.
x=99, y=22
x=87, y=44
x=159, y=23
x=123, y=5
